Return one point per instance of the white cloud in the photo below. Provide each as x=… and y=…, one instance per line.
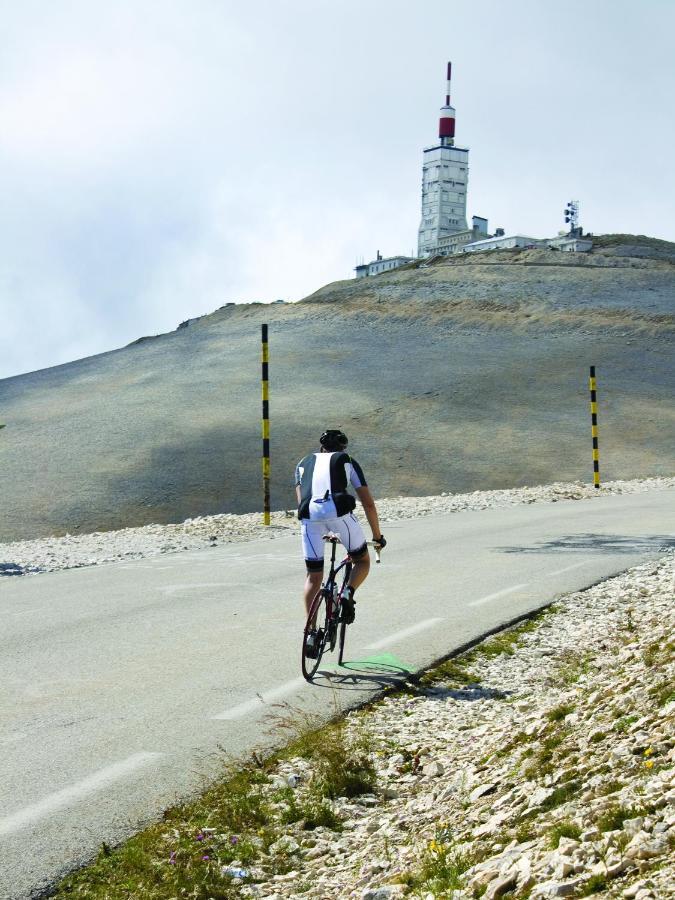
x=159, y=158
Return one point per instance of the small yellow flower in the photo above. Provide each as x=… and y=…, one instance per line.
x=649, y=751
x=649, y=763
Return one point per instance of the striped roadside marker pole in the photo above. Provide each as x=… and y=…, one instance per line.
x=265, y=426
x=594, y=428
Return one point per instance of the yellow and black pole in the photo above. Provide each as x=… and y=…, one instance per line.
x=266, y=426
x=594, y=428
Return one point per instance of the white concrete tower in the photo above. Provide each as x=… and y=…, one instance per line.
x=445, y=175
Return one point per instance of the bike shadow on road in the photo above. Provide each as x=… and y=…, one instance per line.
x=354, y=675
x=609, y=543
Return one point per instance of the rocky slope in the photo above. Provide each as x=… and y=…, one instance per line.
x=541, y=764
x=470, y=374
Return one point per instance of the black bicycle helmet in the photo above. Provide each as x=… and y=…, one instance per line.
x=333, y=439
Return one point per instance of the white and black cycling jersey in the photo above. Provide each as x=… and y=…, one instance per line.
x=323, y=479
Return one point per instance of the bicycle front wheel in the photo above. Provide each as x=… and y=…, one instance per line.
x=315, y=635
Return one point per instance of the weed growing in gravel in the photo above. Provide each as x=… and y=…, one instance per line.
x=622, y=725
x=453, y=671
x=310, y=809
x=341, y=760
x=516, y=741
x=628, y=624
x=442, y=868
x=658, y=653
x=612, y=819
x=544, y=760
x=558, y=713
x=594, y=885
x=573, y=666
x=563, y=829
x=524, y=832
x=609, y=787
x=561, y=795
x=662, y=692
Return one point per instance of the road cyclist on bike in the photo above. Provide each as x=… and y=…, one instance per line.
x=326, y=507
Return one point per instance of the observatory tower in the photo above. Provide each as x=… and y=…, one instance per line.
x=445, y=175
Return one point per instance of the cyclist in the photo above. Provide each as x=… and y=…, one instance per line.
x=324, y=505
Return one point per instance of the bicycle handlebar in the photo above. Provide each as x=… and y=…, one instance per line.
x=375, y=547
x=334, y=539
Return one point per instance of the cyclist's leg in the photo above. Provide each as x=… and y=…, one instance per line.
x=351, y=534
x=353, y=538
x=360, y=567
x=312, y=548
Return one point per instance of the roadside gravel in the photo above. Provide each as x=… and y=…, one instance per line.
x=543, y=766
x=77, y=550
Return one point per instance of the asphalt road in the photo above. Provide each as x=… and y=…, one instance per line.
x=119, y=684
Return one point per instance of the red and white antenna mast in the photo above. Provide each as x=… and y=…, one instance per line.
x=446, y=123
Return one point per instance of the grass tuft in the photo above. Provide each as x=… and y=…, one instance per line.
x=658, y=654
x=561, y=795
x=453, y=671
x=573, y=666
x=662, y=692
x=622, y=725
x=311, y=809
x=341, y=760
x=594, y=885
x=442, y=868
x=558, y=713
x=612, y=819
x=563, y=829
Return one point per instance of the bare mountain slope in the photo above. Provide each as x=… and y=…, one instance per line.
x=466, y=374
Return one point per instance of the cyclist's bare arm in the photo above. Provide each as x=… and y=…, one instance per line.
x=298, y=493
x=370, y=510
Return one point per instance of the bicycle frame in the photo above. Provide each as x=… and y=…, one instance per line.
x=332, y=628
x=331, y=581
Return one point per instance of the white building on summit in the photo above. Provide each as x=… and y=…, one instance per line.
x=443, y=230
x=445, y=176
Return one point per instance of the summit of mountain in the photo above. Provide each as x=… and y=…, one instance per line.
x=455, y=374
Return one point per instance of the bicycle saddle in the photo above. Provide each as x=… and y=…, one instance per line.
x=331, y=538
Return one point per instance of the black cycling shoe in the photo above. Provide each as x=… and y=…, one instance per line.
x=312, y=644
x=348, y=610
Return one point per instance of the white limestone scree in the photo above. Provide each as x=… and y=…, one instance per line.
x=445, y=178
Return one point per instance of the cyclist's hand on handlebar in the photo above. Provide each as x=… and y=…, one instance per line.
x=379, y=543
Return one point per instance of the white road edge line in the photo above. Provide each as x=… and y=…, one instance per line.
x=498, y=594
x=242, y=709
x=400, y=635
x=568, y=568
x=76, y=792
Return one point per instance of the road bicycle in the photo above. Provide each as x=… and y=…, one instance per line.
x=326, y=624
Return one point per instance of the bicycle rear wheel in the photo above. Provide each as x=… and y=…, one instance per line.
x=316, y=625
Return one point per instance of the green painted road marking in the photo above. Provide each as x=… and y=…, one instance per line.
x=379, y=659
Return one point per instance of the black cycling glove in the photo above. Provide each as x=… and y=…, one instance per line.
x=380, y=543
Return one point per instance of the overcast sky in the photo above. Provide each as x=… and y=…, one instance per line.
x=159, y=158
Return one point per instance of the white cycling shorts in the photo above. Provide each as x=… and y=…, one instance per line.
x=347, y=528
